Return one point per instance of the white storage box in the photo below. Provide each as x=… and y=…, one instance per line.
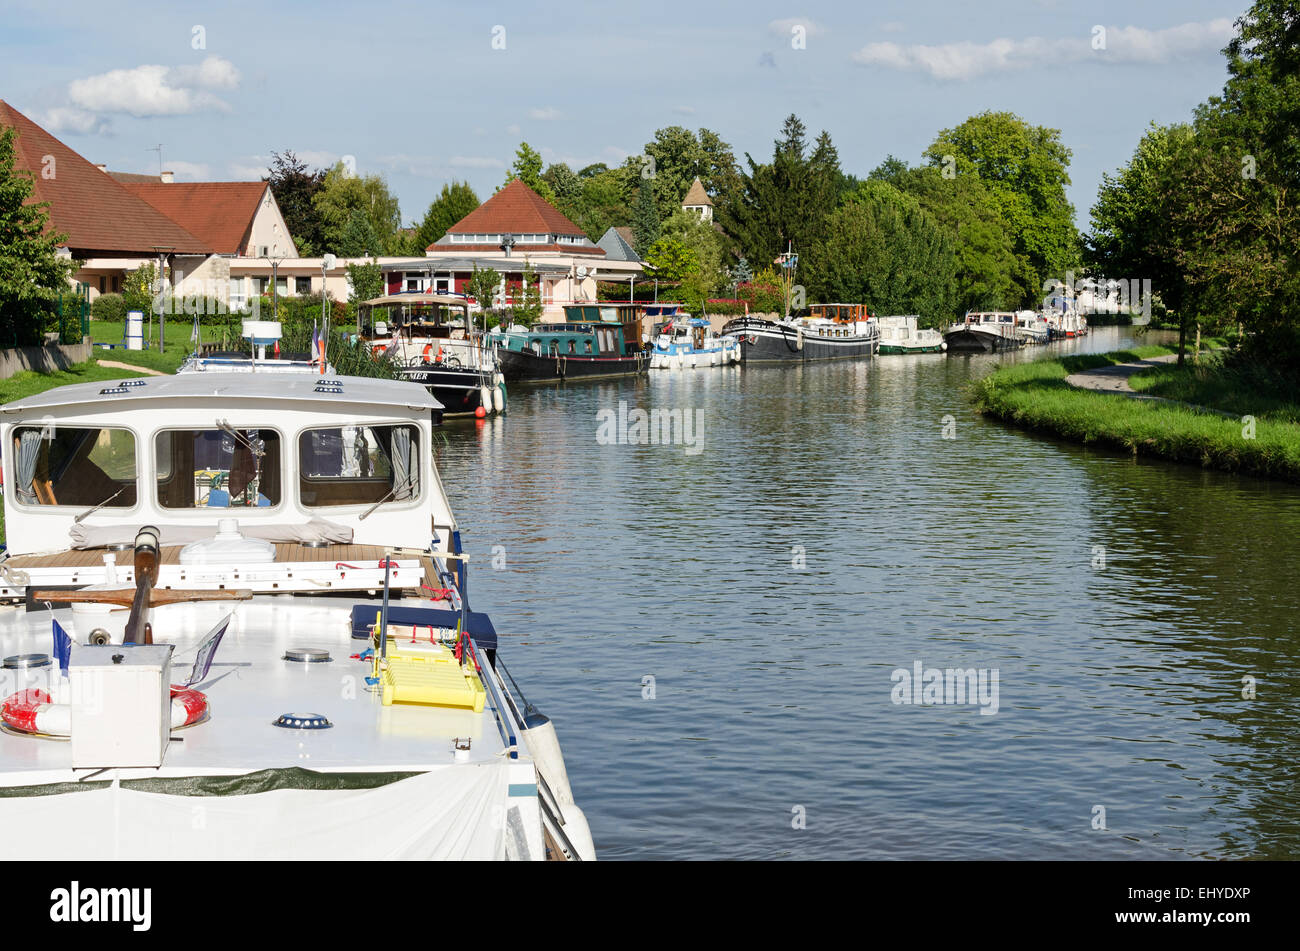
x=121, y=704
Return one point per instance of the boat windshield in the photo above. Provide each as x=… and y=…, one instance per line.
x=68, y=465
x=220, y=467
x=358, y=465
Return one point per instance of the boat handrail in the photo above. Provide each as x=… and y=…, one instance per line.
x=507, y=726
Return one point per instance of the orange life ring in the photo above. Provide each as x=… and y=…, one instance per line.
x=428, y=348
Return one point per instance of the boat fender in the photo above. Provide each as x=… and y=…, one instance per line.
x=485, y=399
x=499, y=398
x=578, y=831
x=544, y=747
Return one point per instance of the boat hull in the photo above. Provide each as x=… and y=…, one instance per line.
x=975, y=341
x=528, y=367
x=769, y=342
x=458, y=389
x=893, y=348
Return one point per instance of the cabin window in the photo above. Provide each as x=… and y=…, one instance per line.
x=358, y=465
x=573, y=346
x=221, y=467
x=587, y=344
x=66, y=465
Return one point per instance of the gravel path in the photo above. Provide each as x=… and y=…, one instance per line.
x=1114, y=379
x=128, y=366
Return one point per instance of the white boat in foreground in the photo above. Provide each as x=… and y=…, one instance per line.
x=237, y=626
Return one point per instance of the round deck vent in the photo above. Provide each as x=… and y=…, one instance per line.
x=302, y=721
x=26, y=661
x=307, y=655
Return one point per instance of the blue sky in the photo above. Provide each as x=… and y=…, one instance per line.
x=418, y=93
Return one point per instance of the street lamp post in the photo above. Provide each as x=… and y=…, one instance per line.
x=163, y=252
x=274, y=260
x=327, y=263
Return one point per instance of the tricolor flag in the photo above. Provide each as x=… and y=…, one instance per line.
x=62, y=647
x=316, y=356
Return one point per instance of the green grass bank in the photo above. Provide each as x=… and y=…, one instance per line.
x=1035, y=396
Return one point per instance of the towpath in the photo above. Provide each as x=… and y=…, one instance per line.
x=129, y=366
x=1115, y=379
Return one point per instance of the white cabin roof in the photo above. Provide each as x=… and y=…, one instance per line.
x=322, y=391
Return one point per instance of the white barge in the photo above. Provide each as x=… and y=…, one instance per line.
x=269, y=649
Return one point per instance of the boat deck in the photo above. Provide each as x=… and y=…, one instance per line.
x=249, y=685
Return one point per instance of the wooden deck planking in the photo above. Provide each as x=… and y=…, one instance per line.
x=360, y=556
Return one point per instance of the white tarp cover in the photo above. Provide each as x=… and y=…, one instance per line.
x=456, y=812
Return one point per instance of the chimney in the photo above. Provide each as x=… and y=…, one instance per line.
x=102, y=168
x=167, y=177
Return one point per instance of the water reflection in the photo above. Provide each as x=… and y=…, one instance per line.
x=829, y=534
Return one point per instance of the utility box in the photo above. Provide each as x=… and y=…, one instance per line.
x=121, y=704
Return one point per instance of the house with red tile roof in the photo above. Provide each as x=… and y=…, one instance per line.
x=115, y=222
x=514, y=226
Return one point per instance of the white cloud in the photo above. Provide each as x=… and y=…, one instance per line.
x=892, y=27
x=512, y=129
x=475, y=161
x=419, y=166
x=546, y=115
x=786, y=27
x=966, y=60
x=156, y=90
x=245, y=172
x=193, y=171
x=684, y=110
x=72, y=119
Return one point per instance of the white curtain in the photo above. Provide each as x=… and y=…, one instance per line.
x=29, y=450
x=405, y=477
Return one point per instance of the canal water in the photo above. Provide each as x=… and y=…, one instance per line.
x=721, y=630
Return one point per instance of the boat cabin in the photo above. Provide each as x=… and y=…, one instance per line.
x=328, y=469
x=599, y=339
x=840, y=313
x=438, y=316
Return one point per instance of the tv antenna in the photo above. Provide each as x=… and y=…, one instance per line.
x=158, y=149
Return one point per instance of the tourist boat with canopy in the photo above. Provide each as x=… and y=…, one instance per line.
x=432, y=340
x=237, y=625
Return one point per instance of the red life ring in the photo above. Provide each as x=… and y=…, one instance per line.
x=428, y=348
x=33, y=711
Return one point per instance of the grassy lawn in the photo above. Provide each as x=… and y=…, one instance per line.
x=1036, y=396
x=1244, y=392
x=178, y=344
x=29, y=382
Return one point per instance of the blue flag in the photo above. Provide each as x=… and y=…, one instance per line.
x=207, y=650
x=62, y=647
